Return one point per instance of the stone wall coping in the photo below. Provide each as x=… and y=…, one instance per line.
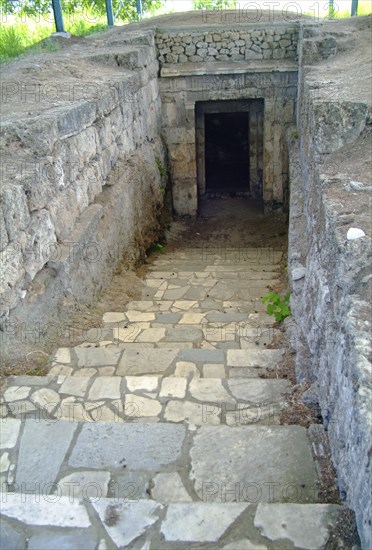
x=229, y=67
x=203, y=28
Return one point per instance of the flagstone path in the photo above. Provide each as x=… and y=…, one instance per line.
x=159, y=432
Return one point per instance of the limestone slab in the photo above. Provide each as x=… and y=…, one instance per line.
x=113, y=317
x=145, y=361
x=173, y=387
x=97, y=357
x=10, y=538
x=191, y=318
x=43, y=447
x=127, y=334
x=137, y=383
x=142, y=406
x=258, y=391
x=105, y=387
x=84, y=485
x=185, y=333
x=305, y=525
x=209, y=389
x=61, y=512
x=16, y=393
x=258, y=456
x=184, y=305
x=199, y=521
x=253, y=358
x=188, y=411
x=62, y=541
x=211, y=370
x=151, y=335
x=138, y=446
x=63, y=355
x=46, y=399
x=125, y=521
x=9, y=431
x=75, y=386
x=139, y=316
x=168, y=487
x=4, y=462
x=186, y=368
x=244, y=544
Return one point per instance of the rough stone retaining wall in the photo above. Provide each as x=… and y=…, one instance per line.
x=81, y=188
x=235, y=44
x=331, y=284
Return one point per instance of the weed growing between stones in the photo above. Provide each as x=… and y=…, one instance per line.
x=277, y=306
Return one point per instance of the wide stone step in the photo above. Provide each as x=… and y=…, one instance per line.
x=226, y=252
x=148, y=399
x=181, y=306
x=66, y=522
x=210, y=463
x=100, y=361
x=162, y=287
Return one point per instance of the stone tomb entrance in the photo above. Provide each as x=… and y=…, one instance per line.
x=229, y=146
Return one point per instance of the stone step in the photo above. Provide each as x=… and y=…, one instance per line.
x=93, y=361
x=227, y=252
x=198, y=333
x=148, y=399
x=208, y=306
x=222, y=290
x=118, y=522
x=214, y=463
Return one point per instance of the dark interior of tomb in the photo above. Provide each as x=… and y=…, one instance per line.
x=227, y=151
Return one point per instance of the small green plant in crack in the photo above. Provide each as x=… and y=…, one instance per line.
x=159, y=247
x=277, y=306
x=162, y=169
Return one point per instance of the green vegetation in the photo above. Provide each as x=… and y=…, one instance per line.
x=213, y=4
x=162, y=169
x=25, y=24
x=159, y=247
x=364, y=8
x=277, y=306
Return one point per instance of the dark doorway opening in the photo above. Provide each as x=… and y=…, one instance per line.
x=227, y=151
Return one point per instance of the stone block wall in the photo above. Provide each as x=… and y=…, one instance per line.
x=80, y=185
x=330, y=279
x=231, y=44
x=180, y=94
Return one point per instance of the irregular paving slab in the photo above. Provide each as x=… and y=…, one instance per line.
x=9, y=431
x=88, y=484
x=61, y=512
x=244, y=544
x=258, y=391
x=10, y=539
x=253, y=358
x=253, y=463
x=139, y=406
x=146, y=361
x=105, y=387
x=209, y=389
x=42, y=450
x=139, y=447
x=125, y=521
x=97, y=357
x=62, y=541
x=74, y=386
x=305, y=525
x=168, y=487
x=173, y=387
x=62, y=355
x=199, y=521
x=193, y=413
x=16, y=393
